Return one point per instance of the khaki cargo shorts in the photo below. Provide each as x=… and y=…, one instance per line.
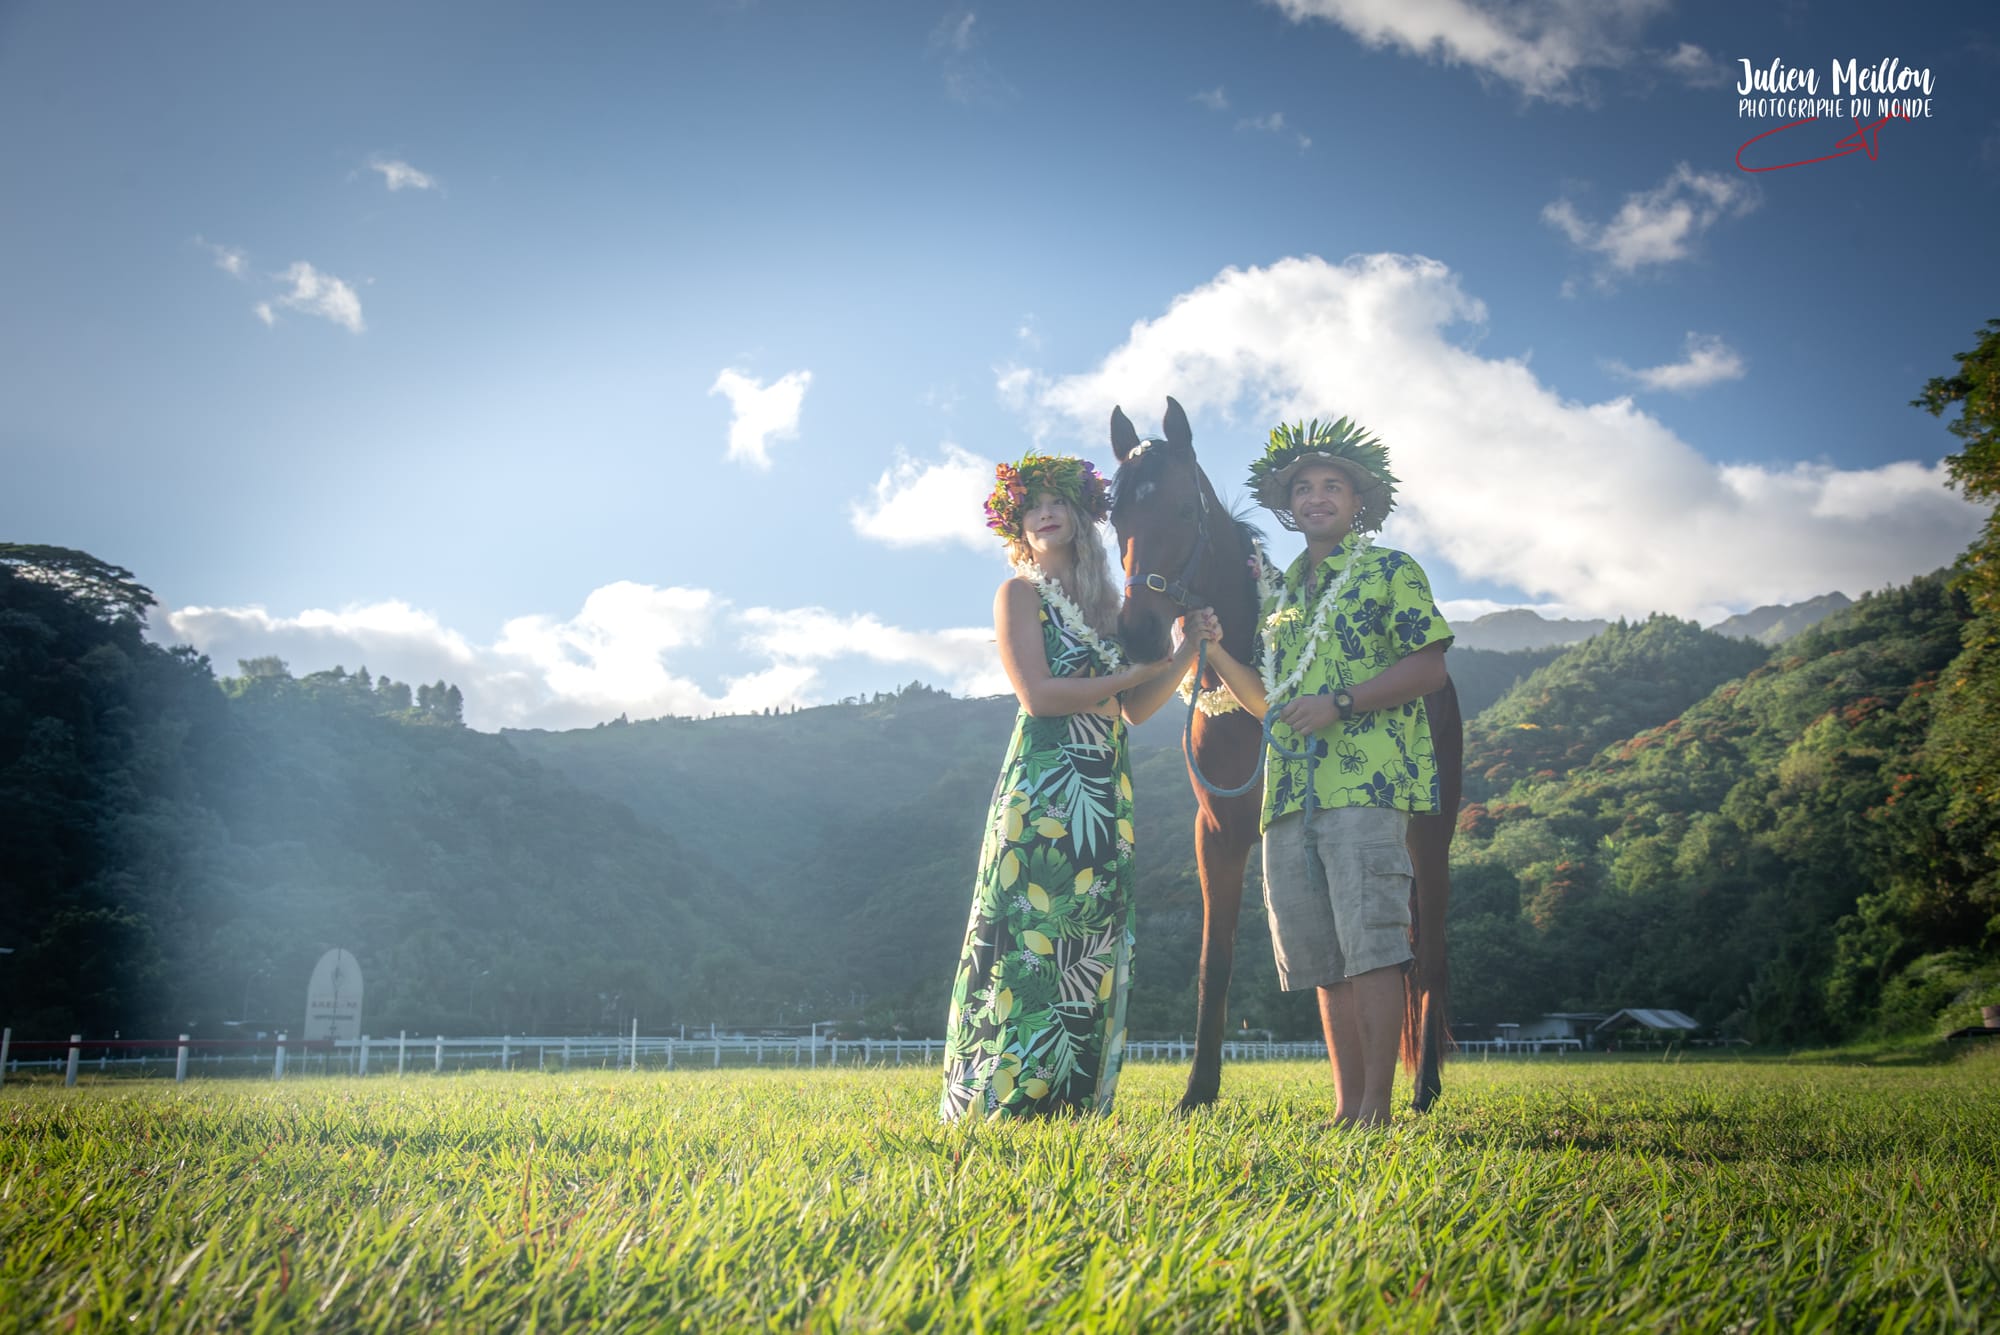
x=1337, y=891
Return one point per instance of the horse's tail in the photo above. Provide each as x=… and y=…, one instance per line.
x=1427, y=986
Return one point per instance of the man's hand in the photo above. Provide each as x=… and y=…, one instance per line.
x=1309, y=713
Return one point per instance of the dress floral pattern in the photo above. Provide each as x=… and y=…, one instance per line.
x=1037, y=1019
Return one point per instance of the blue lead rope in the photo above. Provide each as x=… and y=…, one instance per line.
x=1307, y=754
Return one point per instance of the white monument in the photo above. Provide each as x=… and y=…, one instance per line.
x=333, y=998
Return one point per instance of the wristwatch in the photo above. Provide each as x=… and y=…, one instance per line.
x=1344, y=703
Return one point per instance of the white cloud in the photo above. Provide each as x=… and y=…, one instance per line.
x=265, y=313
x=617, y=655
x=1695, y=67
x=400, y=175
x=1538, y=46
x=1709, y=361
x=1595, y=506
x=1657, y=226
x=963, y=658
x=915, y=504
x=1213, y=98
x=1271, y=124
x=763, y=413
x=320, y=294
x=230, y=259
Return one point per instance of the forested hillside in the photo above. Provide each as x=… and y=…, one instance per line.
x=178, y=851
x=1707, y=864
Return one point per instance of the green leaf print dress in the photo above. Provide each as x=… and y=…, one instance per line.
x=1038, y=1004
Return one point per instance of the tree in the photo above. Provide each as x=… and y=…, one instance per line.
x=1965, y=737
x=108, y=592
x=394, y=695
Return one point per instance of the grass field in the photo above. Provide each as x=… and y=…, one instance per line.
x=1569, y=1195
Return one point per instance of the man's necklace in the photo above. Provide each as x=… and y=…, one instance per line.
x=1316, y=630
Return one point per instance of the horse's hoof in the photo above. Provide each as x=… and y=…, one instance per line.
x=1191, y=1102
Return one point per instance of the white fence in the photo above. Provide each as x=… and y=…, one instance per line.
x=410, y=1054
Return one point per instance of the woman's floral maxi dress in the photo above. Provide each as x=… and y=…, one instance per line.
x=1038, y=1004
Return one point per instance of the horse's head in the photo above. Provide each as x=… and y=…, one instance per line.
x=1163, y=511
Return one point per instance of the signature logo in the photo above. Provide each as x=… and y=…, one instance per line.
x=1864, y=139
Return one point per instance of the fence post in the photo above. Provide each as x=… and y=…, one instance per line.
x=364, y=1056
x=437, y=1059
x=75, y=1052
x=565, y=1054
x=181, y=1062
x=402, y=1042
x=506, y=1055
x=6, y=1041
x=278, y=1062
x=635, y=1043
x=718, y=1050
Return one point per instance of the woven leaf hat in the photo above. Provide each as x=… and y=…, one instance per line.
x=1344, y=444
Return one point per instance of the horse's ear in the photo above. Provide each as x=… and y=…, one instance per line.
x=1124, y=439
x=1176, y=424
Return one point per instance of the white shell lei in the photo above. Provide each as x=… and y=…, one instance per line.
x=1314, y=632
x=1072, y=615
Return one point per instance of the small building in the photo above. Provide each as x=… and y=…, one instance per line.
x=1647, y=1024
x=1580, y=1025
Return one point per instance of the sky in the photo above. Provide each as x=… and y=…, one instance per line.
x=654, y=359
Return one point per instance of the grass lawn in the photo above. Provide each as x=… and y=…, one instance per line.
x=1557, y=1194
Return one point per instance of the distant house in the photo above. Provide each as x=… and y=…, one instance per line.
x=1646, y=1023
x=1562, y=1024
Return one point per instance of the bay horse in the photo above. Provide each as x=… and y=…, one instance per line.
x=1182, y=549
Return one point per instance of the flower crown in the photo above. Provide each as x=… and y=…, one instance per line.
x=1016, y=485
x=1295, y=444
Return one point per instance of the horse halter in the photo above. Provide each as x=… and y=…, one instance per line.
x=1179, y=590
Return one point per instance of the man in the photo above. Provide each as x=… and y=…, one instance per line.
x=1352, y=642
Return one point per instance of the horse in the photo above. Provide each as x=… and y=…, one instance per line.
x=1168, y=518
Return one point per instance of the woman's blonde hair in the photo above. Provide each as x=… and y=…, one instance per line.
x=1090, y=584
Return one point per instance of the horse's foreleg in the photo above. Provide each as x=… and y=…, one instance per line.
x=1221, y=904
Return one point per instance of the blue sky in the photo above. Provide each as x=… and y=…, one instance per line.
x=650, y=359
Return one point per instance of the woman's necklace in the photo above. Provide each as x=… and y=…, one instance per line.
x=1052, y=593
x=1315, y=632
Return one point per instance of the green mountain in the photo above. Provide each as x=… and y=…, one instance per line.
x=1776, y=624
x=1516, y=628
x=1714, y=863
x=1633, y=676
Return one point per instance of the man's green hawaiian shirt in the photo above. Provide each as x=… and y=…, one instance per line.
x=1380, y=758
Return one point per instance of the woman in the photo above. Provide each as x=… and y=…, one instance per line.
x=1037, y=1019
